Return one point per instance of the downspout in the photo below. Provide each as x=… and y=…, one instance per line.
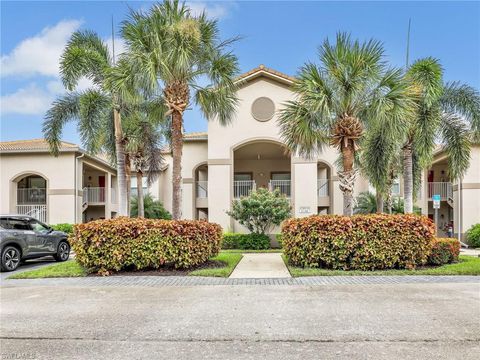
x=459, y=234
x=75, y=187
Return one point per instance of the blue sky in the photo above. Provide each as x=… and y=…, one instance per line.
x=281, y=35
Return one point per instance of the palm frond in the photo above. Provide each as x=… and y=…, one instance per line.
x=456, y=142
x=63, y=110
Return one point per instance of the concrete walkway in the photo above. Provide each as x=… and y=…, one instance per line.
x=261, y=265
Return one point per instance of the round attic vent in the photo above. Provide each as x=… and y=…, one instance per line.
x=263, y=109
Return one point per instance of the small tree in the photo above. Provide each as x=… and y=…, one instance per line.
x=261, y=210
x=153, y=208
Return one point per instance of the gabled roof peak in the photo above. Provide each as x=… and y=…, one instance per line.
x=262, y=70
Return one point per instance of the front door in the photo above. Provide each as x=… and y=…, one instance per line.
x=101, y=184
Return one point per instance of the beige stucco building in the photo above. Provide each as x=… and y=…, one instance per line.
x=219, y=165
x=227, y=162
x=73, y=187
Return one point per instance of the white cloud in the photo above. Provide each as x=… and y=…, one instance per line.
x=217, y=10
x=31, y=100
x=40, y=54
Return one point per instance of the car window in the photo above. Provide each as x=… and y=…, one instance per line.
x=4, y=223
x=18, y=224
x=37, y=226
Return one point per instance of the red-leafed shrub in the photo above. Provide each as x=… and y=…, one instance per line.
x=112, y=245
x=444, y=251
x=363, y=242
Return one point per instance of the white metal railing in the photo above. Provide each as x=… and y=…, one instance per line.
x=32, y=196
x=85, y=196
x=322, y=187
x=283, y=186
x=243, y=188
x=444, y=189
x=113, y=196
x=39, y=212
x=95, y=194
x=202, y=189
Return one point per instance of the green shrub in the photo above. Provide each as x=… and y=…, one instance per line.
x=473, y=235
x=134, y=243
x=152, y=208
x=245, y=241
x=261, y=211
x=363, y=242
x=278, y=237
x=444, y=251
x=66, y=228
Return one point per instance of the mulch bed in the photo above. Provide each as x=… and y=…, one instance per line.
x=166, y=270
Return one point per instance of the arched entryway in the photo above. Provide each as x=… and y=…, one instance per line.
x=324, y=187
x=30, y=194
x=261, y=164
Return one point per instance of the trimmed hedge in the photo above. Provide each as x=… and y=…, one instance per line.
x=66, y=228
x=444, y=251
x=134, y=243
x=245, y=241
x=363, y=242
x=473, y=235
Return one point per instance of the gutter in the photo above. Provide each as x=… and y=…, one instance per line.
x=75, y=186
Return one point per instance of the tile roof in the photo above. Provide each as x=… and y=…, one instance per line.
x=262, y=69
x=33, y=145
x=200, y=135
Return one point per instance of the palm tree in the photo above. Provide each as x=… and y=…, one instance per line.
x=143, y=141
x=174, y=52
x=366, y=203
x=349, y=90
x=448, y=113
x=153, y=208
x=97, y=110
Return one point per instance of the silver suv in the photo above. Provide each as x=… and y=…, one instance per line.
x=23, y=237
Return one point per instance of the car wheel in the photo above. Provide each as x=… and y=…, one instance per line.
x=10, y=258
x=63, y=251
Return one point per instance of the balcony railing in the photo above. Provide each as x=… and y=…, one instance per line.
x=243, y=188
x=202, y=189
x=39, y=212
x=94, y=194
x=31, y=196
x=444, y=189
x=283, y=185
x=322, y=188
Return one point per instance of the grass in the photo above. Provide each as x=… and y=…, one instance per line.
x=467, y=265
x=73, y=269
x=65, y=269
x=230, y=259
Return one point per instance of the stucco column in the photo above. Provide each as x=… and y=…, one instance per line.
x=187, y=199
x=108, y=196
x=304, y=176
x=219, y=194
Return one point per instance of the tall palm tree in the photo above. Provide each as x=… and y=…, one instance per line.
x=445, y=113
x=175, y=52
x=97, y=110
x=350, y=90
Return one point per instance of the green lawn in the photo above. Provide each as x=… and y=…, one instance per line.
x=73, y=269
x=230, y=259
x=468, y=265
x=64, y=269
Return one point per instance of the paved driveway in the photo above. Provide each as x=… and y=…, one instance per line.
x=357, y=321
x=29, y=265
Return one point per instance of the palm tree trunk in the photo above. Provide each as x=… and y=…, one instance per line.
x=177, y=147
x=347, y=177
x=128, y=183
x=379, y=198
x=408, y=178
x=141, y=209
x=120, y=154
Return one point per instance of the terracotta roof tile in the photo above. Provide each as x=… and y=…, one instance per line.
x=264, y=69
x=32, y=145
